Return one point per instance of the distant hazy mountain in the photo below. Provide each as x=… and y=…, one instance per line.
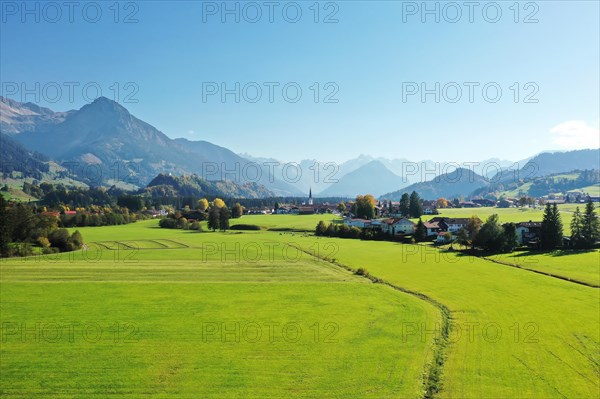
x=549, y=163
x=166, y=185
x=308, y=174
x=16, y=117
x=226, y=164
x=460, y=182
x=372, y=178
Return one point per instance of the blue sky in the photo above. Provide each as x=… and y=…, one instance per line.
x=370, y=57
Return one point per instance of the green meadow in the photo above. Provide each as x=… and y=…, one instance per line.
x=149, y=312
x=513, y=333
x=278, y=313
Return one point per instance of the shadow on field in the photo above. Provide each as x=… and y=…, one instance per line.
x=556, y=253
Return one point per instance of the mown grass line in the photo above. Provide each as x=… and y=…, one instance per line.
x=432, y=377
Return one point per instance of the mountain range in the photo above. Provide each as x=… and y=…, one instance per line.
x=105, y=145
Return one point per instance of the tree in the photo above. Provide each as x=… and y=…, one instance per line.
x=132, y=202
x=463, y=237
x=60, y=239
x=490, y=237
x=202, y=205
x=415, y=205
x=441, y=203
x=405, y=205
x=341, y=207
x=364, y=206
x=75, y=241
x=473, y=227
x=420, y=231
x=168, y=223
x=237, y=211
x=5, y=234
x=577, y=228
x=321, y=228
x=447, y=237
x=590, y=226
x=219, y=203
x=214, y=218
x=224, y=215
x=509, y=237
x=22, y=222
x=523, y=201
x=552, y=231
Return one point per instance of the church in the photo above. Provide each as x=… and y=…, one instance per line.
x=308, y=208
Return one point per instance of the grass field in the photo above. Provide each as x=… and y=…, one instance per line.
x=180, y=314
x=130, y=318
x=582, y=266
x=295, y=222
x=532, y=336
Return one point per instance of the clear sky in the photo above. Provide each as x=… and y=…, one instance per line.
x=375, y=61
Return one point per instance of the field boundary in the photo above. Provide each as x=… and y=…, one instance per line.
x=564, y=278
x=547, y=274
x=432, y=377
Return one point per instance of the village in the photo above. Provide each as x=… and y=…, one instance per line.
x=391, y=222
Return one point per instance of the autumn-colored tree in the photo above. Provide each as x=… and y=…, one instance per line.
x=219, y=203
x=441, y=203
x=203, y=204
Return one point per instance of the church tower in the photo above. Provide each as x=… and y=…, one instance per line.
x=310, y=199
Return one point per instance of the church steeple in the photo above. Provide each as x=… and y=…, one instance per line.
x=310, y=199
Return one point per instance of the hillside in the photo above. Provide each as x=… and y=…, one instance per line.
x=16, y=158
x=586, y=181
x=551, y=163
x=166, y=185
x=460, y=182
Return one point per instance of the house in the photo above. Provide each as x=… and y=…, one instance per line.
x=529, y=231
x=401, y=226
x=432, y=228
x=70, y=212
x=441, y=238
x=360, y=223
x=156, y=213
x=505, y=203
x=468, y=204
x=430, y=210
x=452, y=225
x=306, y=210
x=484, y=202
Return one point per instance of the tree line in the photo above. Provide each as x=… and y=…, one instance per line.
x=216, y=213
x=21, y=229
